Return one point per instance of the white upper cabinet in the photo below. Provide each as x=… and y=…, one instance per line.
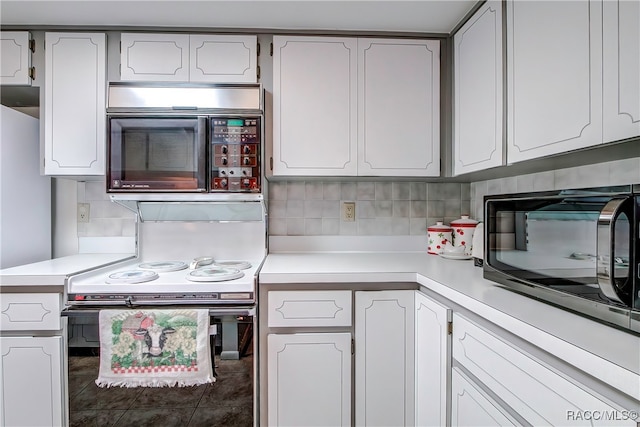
x=356, y=107
x=314, y=106
x=188, y=58
x=398, y=107
x=222, y=58
x=74, y=104
x=621, y=69
x=478, y=80
x=554, y=77
x=15, y=58
x=154, y=57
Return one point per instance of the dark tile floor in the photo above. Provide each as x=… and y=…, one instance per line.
x=227, y=402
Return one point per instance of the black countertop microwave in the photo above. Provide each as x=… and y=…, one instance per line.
x=575, y=249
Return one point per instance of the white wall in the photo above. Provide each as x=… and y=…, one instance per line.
x=65, y=225
x=25, y=196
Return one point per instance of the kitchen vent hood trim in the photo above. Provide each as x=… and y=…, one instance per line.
x=197, y=211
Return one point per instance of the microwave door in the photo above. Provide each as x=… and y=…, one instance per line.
x=157, y=154
x=614, y=248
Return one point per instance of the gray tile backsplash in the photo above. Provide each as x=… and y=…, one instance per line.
x=618, y=172
x=382, y=208
x=310, y=208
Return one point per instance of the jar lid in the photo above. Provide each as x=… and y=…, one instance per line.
x=464, y=221
x=439, y=226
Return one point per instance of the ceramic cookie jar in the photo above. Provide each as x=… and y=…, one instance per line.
x=438, y=235
x=462, y=233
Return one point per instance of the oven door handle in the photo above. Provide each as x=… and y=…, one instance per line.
x=605, y=258
x=78, y=312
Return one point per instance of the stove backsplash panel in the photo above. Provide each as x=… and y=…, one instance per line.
x=187, y=240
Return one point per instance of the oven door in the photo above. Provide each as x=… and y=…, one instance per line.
x=148, y=154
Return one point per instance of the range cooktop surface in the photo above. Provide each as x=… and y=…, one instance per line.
x=146, y=281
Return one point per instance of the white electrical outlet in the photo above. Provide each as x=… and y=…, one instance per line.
x=349, y=211
x=83, y=212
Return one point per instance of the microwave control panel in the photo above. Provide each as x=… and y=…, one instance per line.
x=235, y=152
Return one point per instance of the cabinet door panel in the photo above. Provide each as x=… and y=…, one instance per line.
x=478, y=133
x=621, y=69
x=309, y=378
x=399, y=107
x=432, y=360
x=384, y=363
x=154, y=57
x=15, y=58
x=223, y=59
x=554, y=77
x=32, y=383
x=75, y=126
x=314, y=106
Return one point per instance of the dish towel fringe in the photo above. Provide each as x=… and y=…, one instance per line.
x=154, y=348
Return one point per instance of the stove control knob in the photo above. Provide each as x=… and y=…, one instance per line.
x=246, y=149
x=224, y=149
x=223, y=183
x=225, y=161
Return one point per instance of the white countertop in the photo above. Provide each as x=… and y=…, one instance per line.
x=562, y=333
x=54, y=272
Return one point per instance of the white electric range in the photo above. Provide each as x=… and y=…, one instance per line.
x=211, y=259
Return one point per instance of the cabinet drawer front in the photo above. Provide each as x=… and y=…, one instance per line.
x=309, y=308
x=23, y=312
x=531, y=388
x=471, y=406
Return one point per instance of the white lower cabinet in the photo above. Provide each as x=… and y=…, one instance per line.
x=410, y=359
x=524, y=384
x=31, y=376
x=402, y=357
x=309, y=379
x=402, y=354
x=470, y=405
x=32, y=360
x=308, y=369
x=385, y=380
x=432, y=361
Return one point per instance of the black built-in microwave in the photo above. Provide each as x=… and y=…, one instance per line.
x=184, y=139
x=575, y=249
